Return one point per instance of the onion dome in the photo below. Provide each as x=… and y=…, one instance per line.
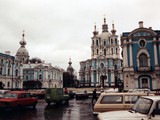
x=22, y=53
x=70, y=68
x=95, y=32
x=113, y=31
x=105, y=34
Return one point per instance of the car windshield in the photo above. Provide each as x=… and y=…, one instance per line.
x=10, y=95
x=142, y=105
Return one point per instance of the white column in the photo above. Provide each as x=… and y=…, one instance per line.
x=155, y=52
x=130, y=50
x=125, y=54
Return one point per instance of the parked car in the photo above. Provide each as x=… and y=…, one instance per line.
x=56, y=95
x=2, y=92
x=140, y=90
x=116, y=101
x=17, y=99
x=71, y=94
x=82, y=95
x=38, y=93
x=146, y=108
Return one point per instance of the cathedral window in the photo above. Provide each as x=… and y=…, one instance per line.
x=143, y=60
x=40, y=76
x=144, y=83
x=116, y=51
x=96, y=42
x=111, y=41
x=16, y=72
x=115, y=40
x=104, y=42
x=8, y=71
x=1, y=70
x=8, y=84
x=1, y=61
x=142, y=43
x=104, y=51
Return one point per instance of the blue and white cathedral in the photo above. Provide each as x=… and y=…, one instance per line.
x=105, y=66
x=141, y=58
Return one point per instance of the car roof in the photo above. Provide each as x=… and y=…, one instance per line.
x=18, y=92
x=154, y=98
x=124, y=93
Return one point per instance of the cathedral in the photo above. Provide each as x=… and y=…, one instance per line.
x=104, y=68
x=141, y=58
x=37, y=73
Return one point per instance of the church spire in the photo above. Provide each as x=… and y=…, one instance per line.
x=104, y=26
x=95, y=32
x=113, y=29
x=70, y=63
x=23, y=42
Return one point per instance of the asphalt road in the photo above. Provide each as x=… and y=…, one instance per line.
x=75, y=110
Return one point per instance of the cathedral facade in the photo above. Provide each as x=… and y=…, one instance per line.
x=141, y=58
x=37, y=73
x=104, y=68
x=11, y=72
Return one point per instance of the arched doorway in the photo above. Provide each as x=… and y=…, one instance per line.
x=144, y=82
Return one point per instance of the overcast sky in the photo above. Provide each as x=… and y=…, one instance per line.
x=56, y=30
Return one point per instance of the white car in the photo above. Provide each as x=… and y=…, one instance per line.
x=116, y=101
x=2, y=92
x=146, y=108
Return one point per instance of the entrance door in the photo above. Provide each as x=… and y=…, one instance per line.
x=144, y=83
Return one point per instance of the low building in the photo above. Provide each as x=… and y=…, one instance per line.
x=42, y=75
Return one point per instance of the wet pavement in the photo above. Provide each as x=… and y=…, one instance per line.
x=75, y=110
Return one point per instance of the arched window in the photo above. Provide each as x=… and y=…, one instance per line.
x=96, y=42
x=111, y=41
x=97, y=51
x=40, y=76
x=16, y=72
x=144, y=83
x=116, y=51
x=115, y=67
x=8, y=84
x=115, y=40
x=1, y=70
x=143, y=60
x=105, y=52
x=104, y=42
x=142, y=43
x=9, y=71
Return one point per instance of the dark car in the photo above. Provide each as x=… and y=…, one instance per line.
x=17, y=99
x=56, y=95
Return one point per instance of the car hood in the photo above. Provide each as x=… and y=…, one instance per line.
x=121, y=115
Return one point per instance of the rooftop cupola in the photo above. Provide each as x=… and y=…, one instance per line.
x=104, y=26
x=140, y=24
x=23, y=42
x=113, y=31
x=95, y=32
